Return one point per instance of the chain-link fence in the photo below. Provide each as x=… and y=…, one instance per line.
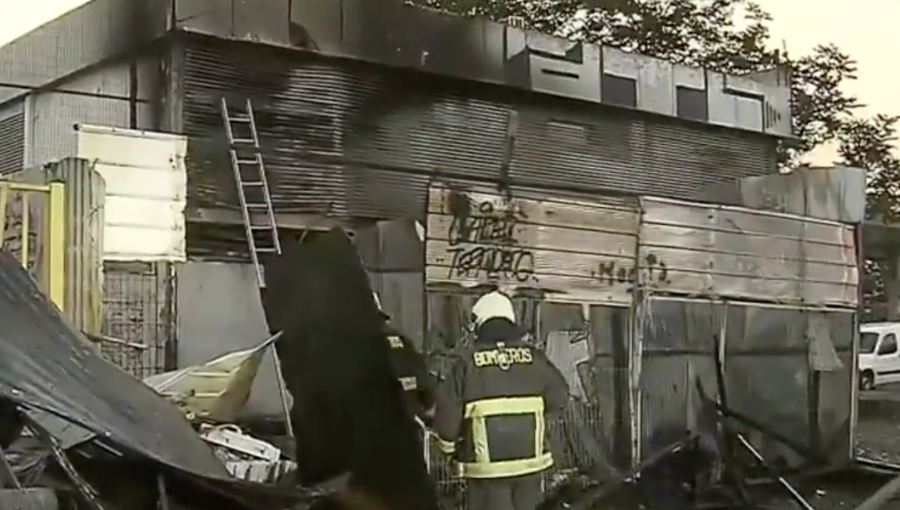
x=138, y=308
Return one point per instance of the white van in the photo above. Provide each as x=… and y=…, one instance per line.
x=879, y=356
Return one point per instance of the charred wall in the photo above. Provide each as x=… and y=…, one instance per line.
x=348, y=139
x=119, y=94
x=12, y=138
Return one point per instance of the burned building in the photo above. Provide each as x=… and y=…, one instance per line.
x=367, y=110
x=360, y=102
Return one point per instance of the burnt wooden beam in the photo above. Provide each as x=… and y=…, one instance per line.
x=8, y=478
x=81, y=485
x=163, y=493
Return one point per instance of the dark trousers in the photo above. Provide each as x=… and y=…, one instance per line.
x=518, y=493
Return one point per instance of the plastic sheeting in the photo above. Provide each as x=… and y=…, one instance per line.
x=47, y=366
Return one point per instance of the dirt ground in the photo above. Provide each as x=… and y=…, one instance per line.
x=877, y=438
x=878, y=428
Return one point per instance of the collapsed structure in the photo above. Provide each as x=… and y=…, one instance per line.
x=462, y=155
x=68, y=399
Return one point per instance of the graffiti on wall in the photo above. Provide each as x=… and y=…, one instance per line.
x=652, y=272
x=568, y=350
x=484, y=245
x=536, y=241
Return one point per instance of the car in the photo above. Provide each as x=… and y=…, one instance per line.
x=879, y=355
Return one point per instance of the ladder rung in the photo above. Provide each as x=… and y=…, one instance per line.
x=243, y=159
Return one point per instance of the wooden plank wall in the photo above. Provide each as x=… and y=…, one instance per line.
x=721, y=251
x=578, y=250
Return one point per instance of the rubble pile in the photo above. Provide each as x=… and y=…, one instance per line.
x=94, y=435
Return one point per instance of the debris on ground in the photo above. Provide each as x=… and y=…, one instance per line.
x=247, y=457
x=82, y=427
x=215, y=391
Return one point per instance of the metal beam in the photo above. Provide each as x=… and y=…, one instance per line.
x=294, y=221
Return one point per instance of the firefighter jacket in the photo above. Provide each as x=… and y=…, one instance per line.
x=412, y=372
x=492, y=406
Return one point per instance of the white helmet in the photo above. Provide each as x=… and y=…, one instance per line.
x=492, y=306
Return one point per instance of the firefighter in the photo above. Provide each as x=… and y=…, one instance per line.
x=491, y=410
x=411, y=370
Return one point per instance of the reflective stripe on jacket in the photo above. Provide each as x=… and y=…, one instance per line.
x=480, y=411
x=491, y=409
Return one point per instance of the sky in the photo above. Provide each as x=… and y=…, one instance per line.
x=30, y=14
x=871, y=37
x=868, y=32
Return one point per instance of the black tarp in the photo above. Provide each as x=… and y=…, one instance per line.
x=46, y=365
x=348, y=408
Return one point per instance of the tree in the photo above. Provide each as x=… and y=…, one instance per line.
x=726, y=35
x=819, y=107
x=868, y=143
x=548, y=16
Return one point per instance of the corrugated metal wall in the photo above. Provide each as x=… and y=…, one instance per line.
x=101, y=97
x=570, y=263
x=12, y=138
x=297, y=115
x=85, y=208
x=94, y=31
x=352, y=139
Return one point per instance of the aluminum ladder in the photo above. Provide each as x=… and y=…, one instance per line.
x=252, y=185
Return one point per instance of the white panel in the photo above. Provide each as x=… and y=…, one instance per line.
x=692, y=77
x=656, y=90
x=146, y=188
x=619, y=63
x=557, y=76
x=219, y=310
x=576, y=250
x=722, y=110
x=756, y=103
x=775, y=87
